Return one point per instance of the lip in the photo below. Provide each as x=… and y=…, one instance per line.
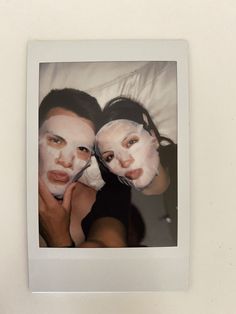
x=134, y=174
x=59, y=177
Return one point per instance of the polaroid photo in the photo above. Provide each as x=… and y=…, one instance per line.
x=108, y=165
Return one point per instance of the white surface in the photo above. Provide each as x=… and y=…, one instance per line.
x=209, y=26
x=69, y=270
x=153, y=84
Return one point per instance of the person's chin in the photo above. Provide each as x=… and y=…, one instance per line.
x=143, y=183
x=56, y=190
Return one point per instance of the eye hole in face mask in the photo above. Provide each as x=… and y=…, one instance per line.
x=83, y=153
x=129, y=141
x=55, y=141
x=108, y=156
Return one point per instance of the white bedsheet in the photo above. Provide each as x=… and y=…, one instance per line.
x=154, y=84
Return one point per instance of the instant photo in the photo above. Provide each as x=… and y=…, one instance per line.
x=108, y=166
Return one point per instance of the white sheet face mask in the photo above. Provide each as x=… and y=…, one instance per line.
x=92, y=176
x=129, y=151
x=65, y=146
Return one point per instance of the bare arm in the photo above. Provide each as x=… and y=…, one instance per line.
x=106, y=232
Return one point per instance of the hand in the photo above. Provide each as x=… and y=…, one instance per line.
x=54, y=216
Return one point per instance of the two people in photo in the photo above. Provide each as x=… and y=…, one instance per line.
x=88, y=161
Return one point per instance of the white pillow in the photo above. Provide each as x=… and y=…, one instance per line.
x=153, y=84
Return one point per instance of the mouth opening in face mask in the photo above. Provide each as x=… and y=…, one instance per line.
x=134, y=174
x=135, y=185
x=66, y=180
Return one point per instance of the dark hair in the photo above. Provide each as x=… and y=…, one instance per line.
x=126, y=108
x=73, y=100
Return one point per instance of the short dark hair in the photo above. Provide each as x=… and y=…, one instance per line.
x=127, y=108
x=73, y=100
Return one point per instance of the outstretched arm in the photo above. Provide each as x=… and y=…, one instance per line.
x=106, y=232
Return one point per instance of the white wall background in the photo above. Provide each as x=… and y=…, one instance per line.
x=210, y=28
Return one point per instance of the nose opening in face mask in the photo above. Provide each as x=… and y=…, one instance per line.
x=64, y=163
x=65, y=159
x=69, y=156
x=124, y=158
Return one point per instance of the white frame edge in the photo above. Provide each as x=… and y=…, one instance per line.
x=125, y=269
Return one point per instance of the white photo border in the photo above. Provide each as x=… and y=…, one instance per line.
x=123, y=269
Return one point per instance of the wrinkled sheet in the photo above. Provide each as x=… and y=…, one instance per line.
x=153, y=84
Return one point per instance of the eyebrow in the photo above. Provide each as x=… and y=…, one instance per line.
x=128, y=135
x=57, y=136
x=107, y=151
x=124, y=139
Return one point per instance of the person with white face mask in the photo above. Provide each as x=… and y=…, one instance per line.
x=125, y=147
x=128, y=144
x=67, y=124
x=65, y=148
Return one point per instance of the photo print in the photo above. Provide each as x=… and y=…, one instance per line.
x=108, y=165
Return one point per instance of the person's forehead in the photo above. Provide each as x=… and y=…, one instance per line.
x=69, y=127
x=117, y=129
x=112, y=137
x=59, y=111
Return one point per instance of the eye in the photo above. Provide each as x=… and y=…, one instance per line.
x=131, y=141
x=83, y=149
x=83, y=153
x=55, y=141
x=108, y=158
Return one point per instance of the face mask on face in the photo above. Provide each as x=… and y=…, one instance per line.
x=65, y=146
x=92, y=176
x=129, y=151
